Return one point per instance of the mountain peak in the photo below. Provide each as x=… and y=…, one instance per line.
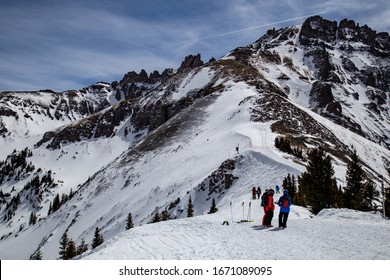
x=191, y=61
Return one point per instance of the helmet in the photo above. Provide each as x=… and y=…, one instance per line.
x=285, y=192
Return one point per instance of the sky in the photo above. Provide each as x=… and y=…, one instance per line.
x=63, y=45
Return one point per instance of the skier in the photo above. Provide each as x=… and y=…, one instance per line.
x=269, y=208
x=277, y=188
x=284, y=204
x=254, y=192
x=258, y=192
x=263, y=204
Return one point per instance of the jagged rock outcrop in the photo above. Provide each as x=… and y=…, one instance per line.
x=317, y=29
x=97, y=125
x=191, y=61
x=219, y=180
x=320, y=95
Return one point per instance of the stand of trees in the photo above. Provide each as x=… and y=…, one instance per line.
x=68, y=248
x=284, y=145
x=317, y=186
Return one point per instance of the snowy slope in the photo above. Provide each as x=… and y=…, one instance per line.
x=143, y=181
x=334, y=234
x=174, y=169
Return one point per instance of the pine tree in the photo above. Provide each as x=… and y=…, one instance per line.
x=129, y=222
x=97, y=238
x=37, y=255
x=290, y=185
x=317, y=186
x=213, y=207
x=50, y=209
x=71, y=250
x=165, y=215
x=340, y=198
x=56, y=203
x=63, y=245
x=190, y=208
x=354, y=190
x=83, y=247
x=33, y=219
x=370, y=193
x=156, y=218
x=387, y=202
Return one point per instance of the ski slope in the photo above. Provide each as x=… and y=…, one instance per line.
x=334, y=234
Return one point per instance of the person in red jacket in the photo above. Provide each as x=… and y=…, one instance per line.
x=254, y=193
x=269, y=209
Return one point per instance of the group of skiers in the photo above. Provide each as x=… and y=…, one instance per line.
x=268, y=204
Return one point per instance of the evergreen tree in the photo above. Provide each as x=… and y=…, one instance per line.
x=354, y=190
x=340, y=198
x=71, y=193
x=33, y=219
x=56, y=203
x=289, y=184
x=156, y=218
x=370, y=193
x=387, y=202
x=83, y=247
x=317, y=186
x=37, y=255
x=50, y=209
x=71, y=250
x=213, y=207
x=129, y=222
x=165, y=215
x=97, y=238
x=63, y=245
x=190, y=208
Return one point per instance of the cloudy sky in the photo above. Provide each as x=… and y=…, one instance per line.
x=71, y=44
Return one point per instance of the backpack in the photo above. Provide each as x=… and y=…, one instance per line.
x=264, y=198
x=285, y=202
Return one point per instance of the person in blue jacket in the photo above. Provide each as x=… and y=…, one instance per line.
x=284, y=204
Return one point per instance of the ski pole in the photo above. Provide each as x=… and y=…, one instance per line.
x=249, y=212
x=231, y=209
x=243, y=210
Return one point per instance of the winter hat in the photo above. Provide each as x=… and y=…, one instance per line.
x=285, y=192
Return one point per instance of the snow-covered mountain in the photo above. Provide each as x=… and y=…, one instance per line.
x=149, y=142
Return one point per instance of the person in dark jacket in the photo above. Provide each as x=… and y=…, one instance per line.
x=254, y=192
x=258, y=192
x=284, y=204
x=269, y=209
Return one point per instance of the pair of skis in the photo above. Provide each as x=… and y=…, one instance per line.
x=248, y=219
